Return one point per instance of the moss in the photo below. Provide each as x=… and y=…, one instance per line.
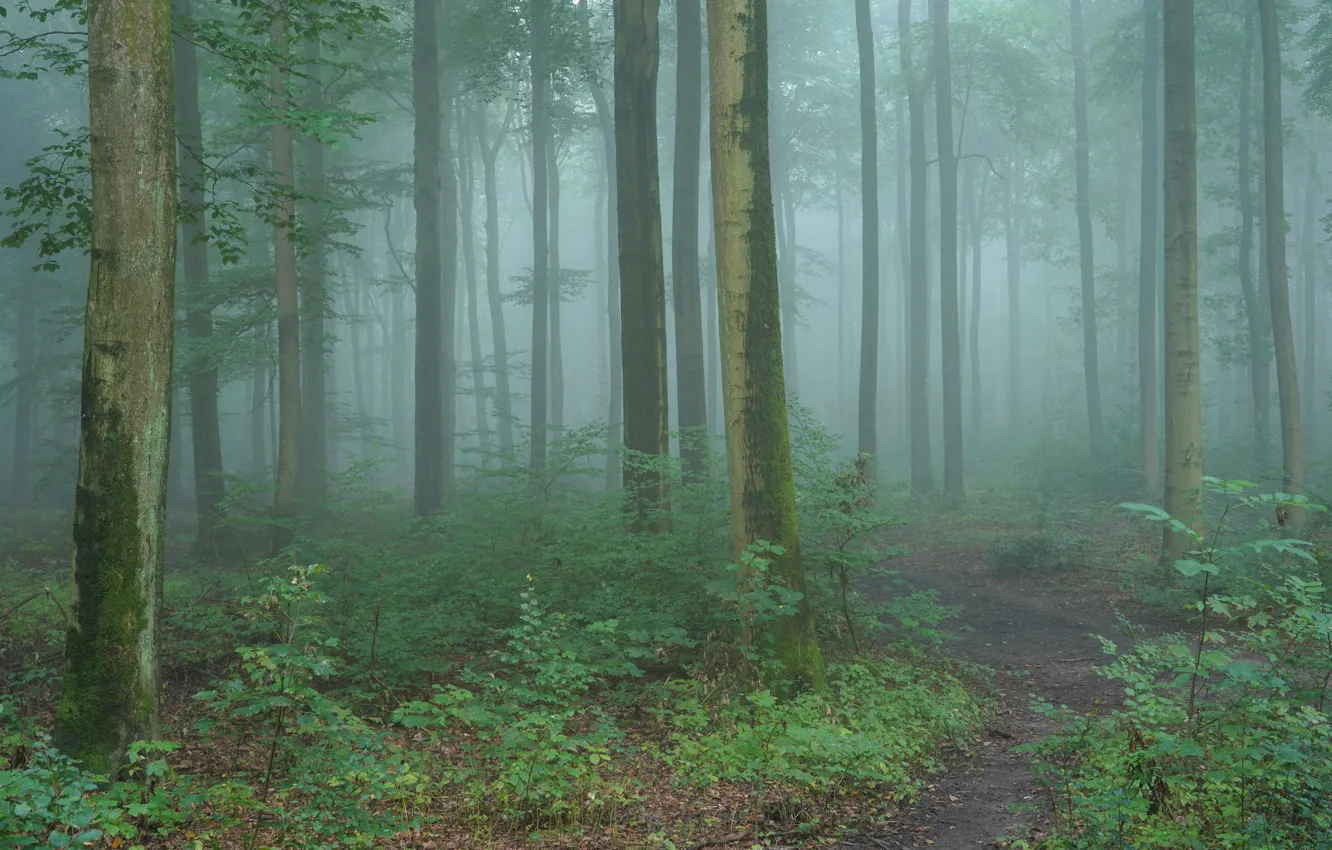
x=109, y=697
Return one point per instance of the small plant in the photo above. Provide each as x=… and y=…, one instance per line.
x=1040, y=553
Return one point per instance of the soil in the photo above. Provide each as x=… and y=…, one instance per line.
x=1041, y=643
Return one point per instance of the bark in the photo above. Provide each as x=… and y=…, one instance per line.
x=258, y=442
x=448, y=264
x=1090, y=353
x=922, y=471
x=1149, y=451
x=1183, y=387
x=978, y=201
x=556, y=292
x=1274, y=231
x=314, y=365
x=110, y=696
x=839, y=166
x=427, y=195
x=495, y=298
x=209, y=485
x=467, y=170
x=1255, y=313
x=758, y=448
x=1309, y=282
x=25, y=389
x=643, y=299
x=288, y=306
x=867, y=412
x=691, y=393
x=540, y=10
x=948, y=257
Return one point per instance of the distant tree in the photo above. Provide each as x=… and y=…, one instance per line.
x=869, y=217
x=1082, y=155
x=949, y=300
x=428, y=104
x=1148, y=405
x=110, y=694
x=918, y=320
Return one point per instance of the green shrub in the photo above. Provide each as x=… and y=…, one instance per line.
x=1041, y=553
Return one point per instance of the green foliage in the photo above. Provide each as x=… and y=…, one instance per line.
x=1223, y=740
x=881, y=722
x=1041, y=553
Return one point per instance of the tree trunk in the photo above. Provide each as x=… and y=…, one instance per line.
x=1274, y=230
x=209, y=485
x=467, y=171
x=758, y=450
x=25, y=390
x=867, y=412
x=495, y=298
x=1149, y=451
x=448, y=264
x=314, y=296
x=288, y=306
x=111, y=686
x=427, y=192
x=839, y=166
x=643, y=307
x=922, y=471
x=1183, y=387
x=691, y=393
x=948, y=257
x=540, y=10
x=556, y=291
x=258, y=442
x=1090, y=348
x=977, y=249
x=1309, y=246
x=1260, y=371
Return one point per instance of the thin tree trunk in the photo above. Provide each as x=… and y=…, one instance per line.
x=1183, y=387
x=839, y=165
x=603, y=288
x=717, y=423
x=540, y=234
x=556, y=292
x=25, y=390
x=1309, y=246
x=288, y=306
x=209, y=485
x=691, y=392
x=977, y=248
x=1254, y=310
x=757, y=441
x=922, y=472
x=111, y=689
x=1149, y=451
x=1123, y=319
x=495, y=298
x=314, y=298
x=948, y=257
x=1090, y=352
x=448, y=263
x=258, y=440
x=1278, y=289
x=467, y=213
x=867, y=411
x=643, y=307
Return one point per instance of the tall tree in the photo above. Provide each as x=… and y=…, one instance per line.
x=1082, y=144
x=1309, y=286
x=540, y=23
x=869, y=239
x=111, y=688
x=314, y=359
x=206, y=429
x=977, y=203
x=494, y=297
x=1274, y=231
x=427, y=189
x=922, y=470
x=692, y=409
x=1255, y=312
x=288, y=303
x=758, y=448
x=25, y=388
x=1149, y=450
x=643, y=294
x=467, y=237
x=1183, y=385
x=1014, y=188
x=448, y=266
x=948, y=255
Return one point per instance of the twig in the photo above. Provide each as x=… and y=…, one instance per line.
x=20, y=604
x=717, y=842
x=1075, y=660
x=56, y=602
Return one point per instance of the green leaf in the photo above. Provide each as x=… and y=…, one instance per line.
x=1190, y=568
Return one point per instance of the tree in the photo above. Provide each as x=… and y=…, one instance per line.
x=494, y=297
x=202, y=375
x=1183, y=385
x=288, y=305
x=948, y=255
x=1149, y=451
x=643, y=290
x=1255, y=316
x=314, y=359
x=758, y=448
x=918, y=320
x=1274, y=232
x=869, y=265
x=110, y=695
x=540, y=21
x=427, y=189
x=1090, y=365
x=692, y=411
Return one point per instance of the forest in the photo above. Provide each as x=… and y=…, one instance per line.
x=675, y=424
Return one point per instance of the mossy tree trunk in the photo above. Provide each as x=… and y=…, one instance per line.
x=202, y=375
x=758, y=448
x=1274, y=232
x=1183, y=385
x=643, y=295
x=427, y=102
x=110, y=694
x=868, y=402
x=288, y=306
x=691, y=391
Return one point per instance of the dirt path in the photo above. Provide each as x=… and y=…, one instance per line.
x=1040, y=644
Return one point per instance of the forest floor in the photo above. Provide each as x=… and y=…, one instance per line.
x=1038, y=633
